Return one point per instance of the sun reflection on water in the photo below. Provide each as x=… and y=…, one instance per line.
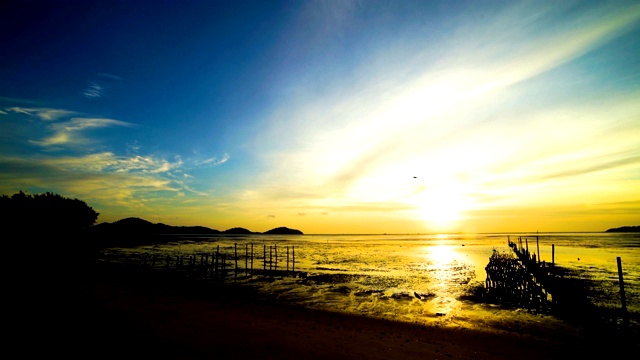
x=441, y=255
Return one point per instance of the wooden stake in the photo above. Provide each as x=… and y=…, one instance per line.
x=623, y=300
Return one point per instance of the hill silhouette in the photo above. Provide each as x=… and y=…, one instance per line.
x=135, y=231
x=625, y=229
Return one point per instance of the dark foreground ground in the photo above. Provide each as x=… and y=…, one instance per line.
x=113, y=313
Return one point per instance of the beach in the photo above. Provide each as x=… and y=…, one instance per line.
x=121, y=314
x=349, y=297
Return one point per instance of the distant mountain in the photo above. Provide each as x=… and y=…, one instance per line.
x=137, y=226
x=135, y=231
x=283, y=231
x=625, y=229
x=238, y=231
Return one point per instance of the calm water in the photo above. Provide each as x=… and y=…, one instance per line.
x=415, y=278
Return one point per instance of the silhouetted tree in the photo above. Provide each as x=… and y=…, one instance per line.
x=45, y=214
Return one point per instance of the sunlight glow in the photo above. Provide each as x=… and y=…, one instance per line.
x=441, y=254
x=442, y=206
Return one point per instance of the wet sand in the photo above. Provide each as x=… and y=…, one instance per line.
x=129, y=316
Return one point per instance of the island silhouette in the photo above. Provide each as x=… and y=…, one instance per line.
x=134, y=231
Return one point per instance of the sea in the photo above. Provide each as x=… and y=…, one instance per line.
x=425, y=279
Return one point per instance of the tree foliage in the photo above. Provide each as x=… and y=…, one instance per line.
x=46, y=213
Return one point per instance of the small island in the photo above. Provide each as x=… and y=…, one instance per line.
x=625, y=229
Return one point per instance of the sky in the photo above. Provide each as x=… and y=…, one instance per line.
x=331, y=117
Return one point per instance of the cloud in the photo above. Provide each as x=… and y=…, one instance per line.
x=107, y=162
x=214, y=161
x=94, y=90
x=69, y=132
x=45, y=114
x=3, y=112
x=99, y=87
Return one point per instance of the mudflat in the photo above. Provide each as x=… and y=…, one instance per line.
x=132, y=317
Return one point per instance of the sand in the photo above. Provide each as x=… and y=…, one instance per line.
x=126, y=316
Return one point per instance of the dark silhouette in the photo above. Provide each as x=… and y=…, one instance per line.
x=283, y=231
x=625, y=229
x=49, y=264
x=45, y=213
x=238, y=231
x=134, y=231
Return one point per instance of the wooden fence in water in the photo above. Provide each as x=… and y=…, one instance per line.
x=223, y=264
x=527, y=281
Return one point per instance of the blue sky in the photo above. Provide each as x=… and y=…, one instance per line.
x=327, y=116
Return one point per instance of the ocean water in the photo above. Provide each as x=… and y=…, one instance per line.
x=422, y=279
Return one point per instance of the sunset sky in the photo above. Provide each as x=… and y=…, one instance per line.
x=327, y=116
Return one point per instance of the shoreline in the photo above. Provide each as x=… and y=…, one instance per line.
x=126, y=314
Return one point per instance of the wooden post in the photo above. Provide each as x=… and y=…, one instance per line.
x=275, y=250
x=246, y=258
x=293, y=265
x=553, y=254
x=217, y=261
x=235, y=255
x=287, y=258
x=264, y=258
x=224, y=266
x=251, y=259
x=526, y=241
x=538, y=246
x=623, y=300
x=520, y=241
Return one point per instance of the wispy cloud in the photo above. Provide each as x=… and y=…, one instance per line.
x=70, y=132
x=99, y=86
x=108, y=162
x=94, y=90
x=45, y=114
x=214, y=161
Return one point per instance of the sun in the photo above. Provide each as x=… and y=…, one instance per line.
x=442, y=207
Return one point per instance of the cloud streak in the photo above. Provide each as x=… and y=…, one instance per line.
x=45, y=114
x=69, y=133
